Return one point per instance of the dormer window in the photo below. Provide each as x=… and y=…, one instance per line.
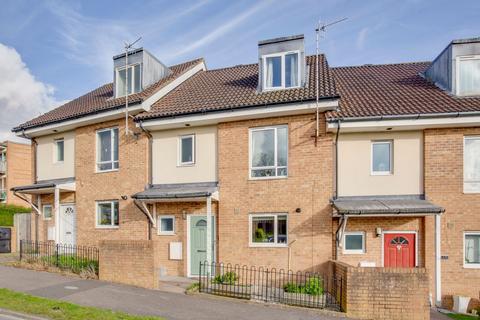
x=281, y=70
x=134, y=80
x=468, y=75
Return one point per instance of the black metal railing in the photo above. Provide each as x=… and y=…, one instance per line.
x=306, y=289
x=63, y=256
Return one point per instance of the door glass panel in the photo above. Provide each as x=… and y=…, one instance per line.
x=201, y=223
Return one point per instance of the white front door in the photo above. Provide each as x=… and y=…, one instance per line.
x=67, y=224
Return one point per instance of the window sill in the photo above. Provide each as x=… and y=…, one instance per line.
x=186, y=165
x=269, y=245
x=471, y=266
x=381, y=174
x=107, y=227
x=267, y=178
x=353, y=252
x=105, y=171
x=166, y=234
x=58, y=162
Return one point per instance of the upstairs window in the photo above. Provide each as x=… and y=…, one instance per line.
x=186, y=150
x=281, y=70
x=382, y=157
x=134, y=80
x=471, y=164
x=107, y=149
x=268, y=152
x=468, y=75
x=59, y=150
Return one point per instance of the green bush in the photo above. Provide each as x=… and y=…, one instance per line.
x=313, y=286
x=227, y=278
x=7, y=212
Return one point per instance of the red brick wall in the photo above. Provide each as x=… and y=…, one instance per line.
x=444, y=187
x=384, y=293
x=308, y=187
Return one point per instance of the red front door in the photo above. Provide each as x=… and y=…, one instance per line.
x=399, y=250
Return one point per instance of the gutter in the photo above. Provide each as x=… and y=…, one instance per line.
x=407, y=116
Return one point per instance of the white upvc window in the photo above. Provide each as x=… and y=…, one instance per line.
x=59, y=155
x=281, y=70
x=107, y=150
x=382, y=157
x=186, y=150
x=471, y=240
x=166, y=225
x=354, y=242
x=268, y=152
x=471, y=164
x=268, y=230
x=47, y=212
x=107, y=214
x=134, y=80
x=468, y=75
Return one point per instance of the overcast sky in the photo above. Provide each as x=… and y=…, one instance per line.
x=55, y=51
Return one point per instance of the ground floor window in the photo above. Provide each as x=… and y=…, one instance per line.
x=47, y=212
x=107, y=214
x=166, y=225
x=354, y=242
x=472, y=249
x=268, y=230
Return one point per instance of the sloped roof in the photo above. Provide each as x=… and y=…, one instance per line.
x=101, y=99
x=237, y=87
x=393, y=89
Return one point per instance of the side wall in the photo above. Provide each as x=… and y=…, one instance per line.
x=444, y=187
x=19, y=172
x=308, y=188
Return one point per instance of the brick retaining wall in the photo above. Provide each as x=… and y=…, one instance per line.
x=384, y=293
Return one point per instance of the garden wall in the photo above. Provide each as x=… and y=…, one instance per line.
x=384, y=293
x=128, y=261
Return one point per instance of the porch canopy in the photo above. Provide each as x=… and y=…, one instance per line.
x=47, y=186
x=380, y=206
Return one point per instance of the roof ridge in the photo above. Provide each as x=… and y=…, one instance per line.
x=380, y=64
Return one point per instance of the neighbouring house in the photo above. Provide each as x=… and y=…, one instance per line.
x=15, y=169
x=272, y=164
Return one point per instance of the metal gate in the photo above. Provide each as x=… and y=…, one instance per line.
x=5, y=240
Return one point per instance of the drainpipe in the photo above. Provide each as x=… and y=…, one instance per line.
x=150, y=172
x=438, y=261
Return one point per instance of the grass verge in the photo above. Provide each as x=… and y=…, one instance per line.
x=462, y=317
x=54, y=309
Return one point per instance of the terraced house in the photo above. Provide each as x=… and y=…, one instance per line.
x=15, y=169
x=284, y=163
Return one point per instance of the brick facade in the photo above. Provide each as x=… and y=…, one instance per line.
x=92, y=186
x=308, y=187
x=444, y=186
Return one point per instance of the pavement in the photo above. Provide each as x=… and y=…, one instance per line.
x=141, y=301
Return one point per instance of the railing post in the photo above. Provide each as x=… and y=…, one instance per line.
x=21, y=249
x=200, y=278
x=57, y=262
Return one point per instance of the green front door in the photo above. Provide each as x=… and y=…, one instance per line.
x=198, y=242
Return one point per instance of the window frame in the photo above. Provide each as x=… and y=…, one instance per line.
x=55, y=151
x=159, y=225
x=282, y=78
x=457, y=74
x=469, y=265
x=117, y=72
x=473, y=137
x=51, y=211
x=381, y=173
x=103, y=226
x=179, y=150
x=112, y=153
x=354, y=251
x=275, y=167
x=275, y=244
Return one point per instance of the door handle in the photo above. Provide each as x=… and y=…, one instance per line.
x=201, y=250
x=68, y=232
